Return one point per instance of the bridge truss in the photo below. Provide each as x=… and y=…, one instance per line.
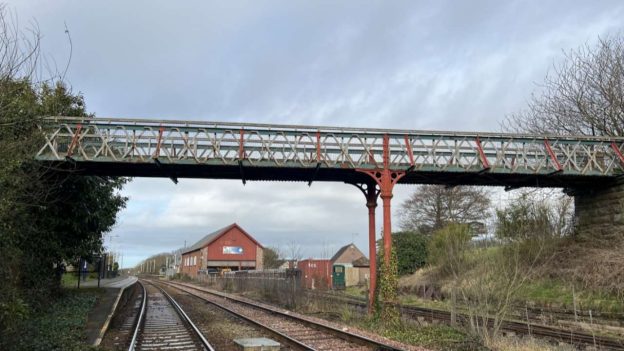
x=281, y=152
x=372, y=159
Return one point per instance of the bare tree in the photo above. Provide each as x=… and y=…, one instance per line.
x=583, y=95
x=431, y=207
x=19, y=49
x=294, y=251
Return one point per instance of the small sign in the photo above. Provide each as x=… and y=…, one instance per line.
x=233, y=250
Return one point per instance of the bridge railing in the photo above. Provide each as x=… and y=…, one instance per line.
x=136, y=141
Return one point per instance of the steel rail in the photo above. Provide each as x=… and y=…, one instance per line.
x=279, y=334
x=335, y=331
x=519, y=327
x=185, y=319
x=175, y=304
x=139, y=319
x=305, y=128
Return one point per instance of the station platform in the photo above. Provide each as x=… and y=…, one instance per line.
x=100, y=316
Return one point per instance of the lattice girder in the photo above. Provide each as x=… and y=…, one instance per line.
x=142, y=141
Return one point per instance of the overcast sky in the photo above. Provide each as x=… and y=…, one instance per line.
x=443, y=65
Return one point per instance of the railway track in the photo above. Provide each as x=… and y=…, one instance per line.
x=163, y=325
x=294, y=331
x=419, y=313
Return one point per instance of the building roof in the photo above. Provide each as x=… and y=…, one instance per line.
x=361, y=262
x=342, y=250
x=215, y=235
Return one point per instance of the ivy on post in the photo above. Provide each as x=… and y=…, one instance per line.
x=386, y=304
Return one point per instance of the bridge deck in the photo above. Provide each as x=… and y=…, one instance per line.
x=150, y=148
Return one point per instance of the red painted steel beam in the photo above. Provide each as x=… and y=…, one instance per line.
x=241, y=146
x=552, y=155
x=617, y=151
x=318, y=146
x=74, y=141
x=484, y=160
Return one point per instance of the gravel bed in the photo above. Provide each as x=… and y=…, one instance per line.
x=163, y=328
x=308, y=335
x=218, y=326
x=120, y=331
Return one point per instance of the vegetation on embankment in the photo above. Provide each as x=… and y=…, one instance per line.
x=435, y=337
x=49, y=218
x=544, y=288
x=525, y=266
x=58, y=326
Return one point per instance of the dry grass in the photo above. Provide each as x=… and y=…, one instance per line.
x=525, y=344
x=599, y=268
x=420, y=277
x=597, y=273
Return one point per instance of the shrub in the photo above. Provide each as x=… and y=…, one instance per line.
x=448, y=247
x=411, y=251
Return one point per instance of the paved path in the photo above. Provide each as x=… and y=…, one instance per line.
x=127, y=281
x=117, y=282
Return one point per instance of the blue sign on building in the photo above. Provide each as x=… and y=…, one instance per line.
x=233, y=250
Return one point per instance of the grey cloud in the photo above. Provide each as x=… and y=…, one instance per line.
x=404, y=64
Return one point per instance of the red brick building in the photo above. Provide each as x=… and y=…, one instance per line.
x=315, y=274
x=230, y=247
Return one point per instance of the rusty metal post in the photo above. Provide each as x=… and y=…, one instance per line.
x=387, y=226
x=370, y=191
x=385, y=178
x=371, y=203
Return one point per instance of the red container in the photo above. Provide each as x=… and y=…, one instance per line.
x=316, y=274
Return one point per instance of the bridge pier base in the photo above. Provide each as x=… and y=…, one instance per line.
x=599, y=213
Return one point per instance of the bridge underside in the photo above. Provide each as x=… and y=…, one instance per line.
x=255, y=173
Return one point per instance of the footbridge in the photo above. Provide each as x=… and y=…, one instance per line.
x=374, y=160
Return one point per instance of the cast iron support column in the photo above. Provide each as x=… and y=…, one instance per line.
x=372, y=249
x=371, y=193
x=386, y=179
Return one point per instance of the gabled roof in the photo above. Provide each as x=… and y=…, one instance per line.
x=342, y=251
x=216, y=235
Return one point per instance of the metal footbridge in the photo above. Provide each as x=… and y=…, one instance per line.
x=247, y=151
x=374, y=160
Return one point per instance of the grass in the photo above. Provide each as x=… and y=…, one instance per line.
x=508, y=343
x=435, y=337
x=413, y=300
x=356, y=291
x=537, y=291
x=69, y=280
x=561, y=295
x=60, y=326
